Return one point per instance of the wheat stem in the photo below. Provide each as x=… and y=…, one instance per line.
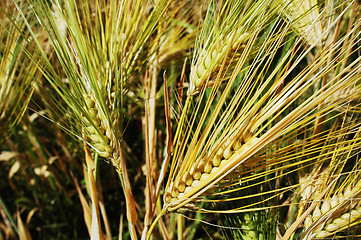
x=154, y=223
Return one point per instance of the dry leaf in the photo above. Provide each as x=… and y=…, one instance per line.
x=14, y=168
x=23, y=230
x=6, y=156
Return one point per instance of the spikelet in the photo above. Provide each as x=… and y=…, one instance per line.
x=310, y=184
x=250, y=227
x=304, y=16
x=209, y=61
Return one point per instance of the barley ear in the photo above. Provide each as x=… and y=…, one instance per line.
x=334, y=214
x=305, y=18
x=205, y=69
x=98, y=130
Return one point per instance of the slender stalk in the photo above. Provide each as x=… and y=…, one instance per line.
x=154, y=223
x=180, y=227
x=150, y=142
x=131, y=228
x=10, y=218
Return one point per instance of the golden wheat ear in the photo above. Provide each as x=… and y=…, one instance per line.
x=336, y=213
x=329, y=175
x=259, y=125
x=227, y=33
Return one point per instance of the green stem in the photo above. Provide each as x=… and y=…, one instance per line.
x=9, y=215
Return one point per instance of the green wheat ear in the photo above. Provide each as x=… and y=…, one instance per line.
x=99, y=68
x=251, y=226
x=225, y=38
x=100, y=51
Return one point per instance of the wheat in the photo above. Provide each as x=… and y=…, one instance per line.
x=205, y=69
x=16, y=69
x=309, y=185
x=205, y=164
x=211, y=166
x=250, y=227
x=98, y=130
x=334, y=214
x=345, y=220
x=304, y=16
x=350, y=93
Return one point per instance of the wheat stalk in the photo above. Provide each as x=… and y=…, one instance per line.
x=98, y=54
x=229, y=153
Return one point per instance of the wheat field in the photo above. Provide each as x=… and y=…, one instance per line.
x=160, y=119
